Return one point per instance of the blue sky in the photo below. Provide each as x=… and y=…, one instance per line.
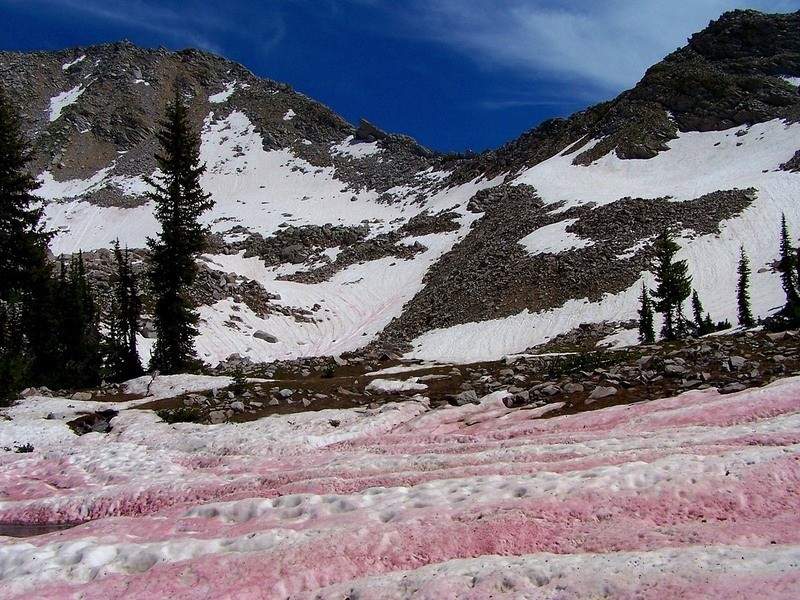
x=454, y=74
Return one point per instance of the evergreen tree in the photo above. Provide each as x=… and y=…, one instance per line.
x=24, y=269
x=787, y=266
x=674, y=284
x=647, y=333
x=76, y=359
x=179, y=203
x=122, y=356
x=743, y=291
x=697, y=311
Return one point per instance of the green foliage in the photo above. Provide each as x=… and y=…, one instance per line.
x=24, y=270
x=674, y=284
x=239, y=380
x=329, y=372
x=743, y=291
x=48, y=325
x=182, y=414
x=584, y=361
x=647, y=333
x=121, y=355
x=787, y=266
x=789, y=269
x=179, y=201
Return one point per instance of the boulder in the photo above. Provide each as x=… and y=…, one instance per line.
x=267, y=337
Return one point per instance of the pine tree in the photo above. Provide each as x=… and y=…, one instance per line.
x=122, y=356
x=179, y=201
x=24, y=269
x=697, y=311
x=647, y=333
x=787, y=267
x=743, y=291
x=77, y=358
x=674, y=285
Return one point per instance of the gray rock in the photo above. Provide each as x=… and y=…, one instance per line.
x=573, y=388
x=285, y=393
x=237, y=406
x=674, y=370
x=217, y=416
x=736, y=362
x=267, y=337
x=81, y=396
x=467, y=397
x=273, y=402
x=732, y=388
x=602, y=392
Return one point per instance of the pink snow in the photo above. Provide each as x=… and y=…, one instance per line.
x=682, y=497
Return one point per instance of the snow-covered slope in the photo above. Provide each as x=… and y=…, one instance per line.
x=695, y=164
x=687, y=497
x=450, y=258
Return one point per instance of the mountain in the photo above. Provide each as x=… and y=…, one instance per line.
x=329, y=237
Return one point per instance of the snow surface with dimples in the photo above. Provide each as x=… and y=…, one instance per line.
x=686, y=496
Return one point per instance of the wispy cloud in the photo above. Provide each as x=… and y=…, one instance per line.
x=203, y=25
x=606, y=45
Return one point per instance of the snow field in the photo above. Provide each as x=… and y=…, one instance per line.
x=691, y=494
x=696, y=164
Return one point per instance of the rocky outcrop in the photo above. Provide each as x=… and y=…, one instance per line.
x=728, y=75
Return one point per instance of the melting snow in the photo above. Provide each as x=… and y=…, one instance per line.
x=554, y=239
x=223, y=96
x=66, y=66
x=676, y=495
x=793, y=80
x=356, y=149
x=290, y=114
x=64, y=99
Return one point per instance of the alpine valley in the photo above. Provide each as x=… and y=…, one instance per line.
x=445, y=396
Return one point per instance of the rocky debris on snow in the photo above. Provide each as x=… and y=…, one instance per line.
x=486, y=277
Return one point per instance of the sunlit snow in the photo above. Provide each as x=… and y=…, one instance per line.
x=59, y=102
x=695, y=495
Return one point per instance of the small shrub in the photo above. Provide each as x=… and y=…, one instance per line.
x=239, y=381
x=182, y=414
x=329, y=372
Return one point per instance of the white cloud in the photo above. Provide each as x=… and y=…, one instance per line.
x=607, y=45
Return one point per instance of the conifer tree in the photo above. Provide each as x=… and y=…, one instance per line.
x=24, y=269
x=674, y=284
x=787, y=268
x=697, y=311
x=122, y=356
x=77, y=358
x=647, y=333
x=743, y=291
x=179, y=201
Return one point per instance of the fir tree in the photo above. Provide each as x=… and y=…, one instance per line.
x=743, y=291
x=24, y=269
x=77, y=358
x=697, y=311
x=674, y=285
x=122, y=356
x=787, y=267
x=179, y=201
x=647, y=333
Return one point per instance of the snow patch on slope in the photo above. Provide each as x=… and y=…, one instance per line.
x=356, y=149
x=554, y=239
x=72, y=63
x=697, y=163
x=223, y=96
x=61, y=101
